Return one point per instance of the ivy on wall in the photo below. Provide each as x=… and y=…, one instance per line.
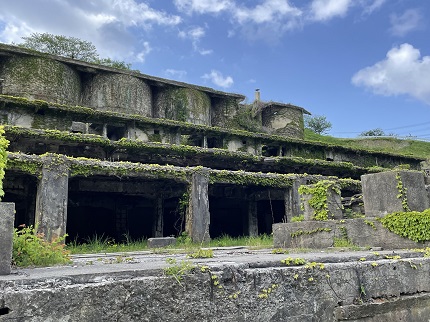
x=414, y=225
x=319, y=195
x=4, y=143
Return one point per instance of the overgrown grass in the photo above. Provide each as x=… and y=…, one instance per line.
x=101, y=244
x=407, y=147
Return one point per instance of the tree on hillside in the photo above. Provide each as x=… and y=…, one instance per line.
x=373, y=132
x=317, y=124
x=70, y=47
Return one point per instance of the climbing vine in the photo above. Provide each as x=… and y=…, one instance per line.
x=4, y=143
x=318, y=200
x=414, y=225
x=402, y=192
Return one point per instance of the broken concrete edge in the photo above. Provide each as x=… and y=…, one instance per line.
x=7, y=216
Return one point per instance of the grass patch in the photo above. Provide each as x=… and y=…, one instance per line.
x=408, y=147
x=102, y=244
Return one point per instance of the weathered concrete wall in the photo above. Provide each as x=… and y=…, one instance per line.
x=183, y=104
x=198, y=216
x=7, y=216
x=51, y=199
x=39, y=78
x=392, y=191
x=373, y=290
x=118, y=93
x=223, y=111
x=322, y=234
x=283, y=121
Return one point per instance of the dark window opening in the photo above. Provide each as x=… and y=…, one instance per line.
x=270, y=151
x=114, y=133
x=228, y=217
x=214, y=143
x=156, y=132
x=174, y=218
x=269, y=212
x=21, y=190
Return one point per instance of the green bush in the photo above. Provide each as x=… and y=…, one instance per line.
x=30, y=249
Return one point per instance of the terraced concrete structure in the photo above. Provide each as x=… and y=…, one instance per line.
x=96, y=150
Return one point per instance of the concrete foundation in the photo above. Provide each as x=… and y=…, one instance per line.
x=7, y=216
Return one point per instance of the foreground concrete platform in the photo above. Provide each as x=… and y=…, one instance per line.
x=238, y=284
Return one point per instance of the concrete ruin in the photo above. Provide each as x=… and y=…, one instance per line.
x=124, y=153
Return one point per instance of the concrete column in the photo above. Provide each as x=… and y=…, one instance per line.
x=198, y=216
x=7, y=216
x=252, y=218
x=51, y=197
x=205, y=142
x=104, y=130
x=157, y=230
x=292, y=200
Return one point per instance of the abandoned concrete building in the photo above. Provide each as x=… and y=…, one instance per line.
x=96, y=150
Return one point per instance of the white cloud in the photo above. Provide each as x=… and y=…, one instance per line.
x=174, y=73
x=203, y=6
x=374, y=5
x=218, y=79
x=403, y=71
x=195, y=34
x=144, y=52
x=106, y=23
x=408, y=21
x=268, y=11
x=322, y=10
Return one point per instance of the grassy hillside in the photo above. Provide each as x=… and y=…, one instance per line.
x=408, y=147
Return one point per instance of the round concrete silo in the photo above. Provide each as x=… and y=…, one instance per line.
x=183, y=104
x=40, y=78
x=118, y=93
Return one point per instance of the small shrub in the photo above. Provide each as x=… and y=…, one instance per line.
x=202, y=253
x=30, y=249
x=298, y=218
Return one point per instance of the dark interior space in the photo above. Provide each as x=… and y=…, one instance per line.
x=228, y=217
x=215, y=142
x=268, y=213
x=115, y=133
x=174, y=218
x=270, y=151
x=111, y=215
x=21, y=190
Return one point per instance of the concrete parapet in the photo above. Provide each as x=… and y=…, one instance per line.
x=7, y=216
x=323, y=234
x=394, y=191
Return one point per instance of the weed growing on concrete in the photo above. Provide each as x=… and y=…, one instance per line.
x=30, y=249
x=202, y=253
x=178, y=270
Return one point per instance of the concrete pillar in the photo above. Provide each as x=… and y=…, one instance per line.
x=104, y=130
x=51, y=197
x=252, y=218
x=157, y=230
x=198, y=217
x=292, y=200
x=7, y=216
x=205, y=142
x=334, y=204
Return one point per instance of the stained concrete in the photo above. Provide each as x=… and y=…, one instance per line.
x=7, y=216
x=251, y=286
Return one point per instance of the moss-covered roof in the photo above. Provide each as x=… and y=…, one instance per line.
x=8, y=50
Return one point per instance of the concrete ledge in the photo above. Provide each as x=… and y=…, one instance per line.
x=161, y=242
x=363, y=232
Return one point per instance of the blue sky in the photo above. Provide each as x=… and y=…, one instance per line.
x=363, y=64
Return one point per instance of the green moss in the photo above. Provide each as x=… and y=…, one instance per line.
x=253, y=179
